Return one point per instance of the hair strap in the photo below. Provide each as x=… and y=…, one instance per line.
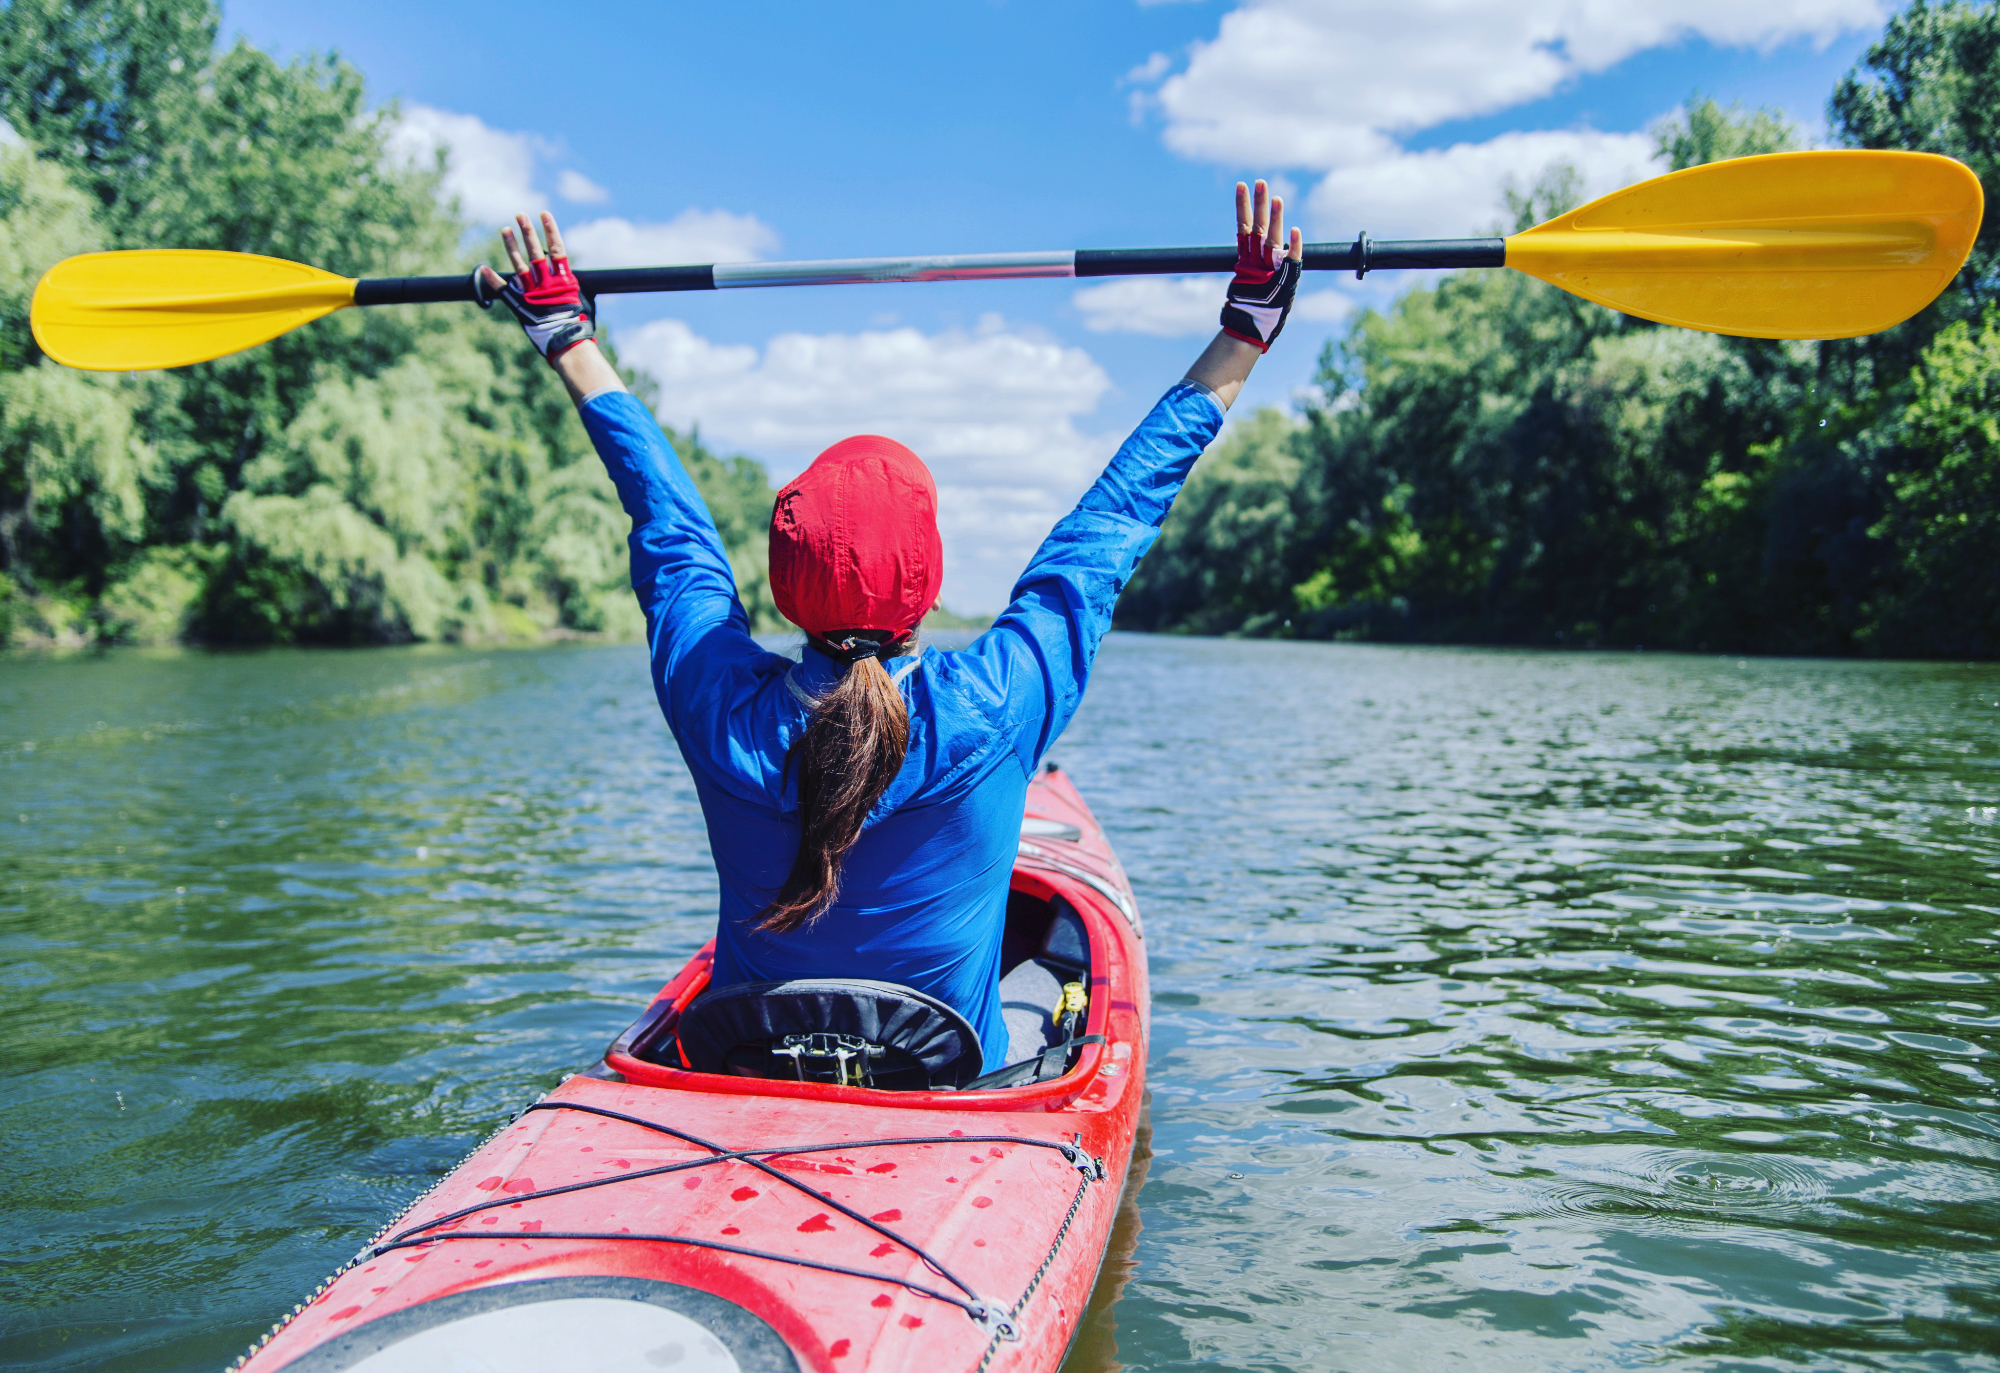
x=850, y=646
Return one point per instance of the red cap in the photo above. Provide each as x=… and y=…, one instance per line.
x=854, y=540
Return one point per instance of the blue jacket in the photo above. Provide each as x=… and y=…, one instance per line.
x=923, y=894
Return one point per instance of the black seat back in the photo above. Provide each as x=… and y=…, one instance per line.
x=831, y=1029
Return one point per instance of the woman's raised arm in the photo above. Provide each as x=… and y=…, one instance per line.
x=1038, y=655
x=680, y=569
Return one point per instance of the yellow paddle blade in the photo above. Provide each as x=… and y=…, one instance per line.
x=1789, y=245
x=168, y=307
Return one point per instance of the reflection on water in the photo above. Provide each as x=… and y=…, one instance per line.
x=1095, y=1347
x=1514, y=1010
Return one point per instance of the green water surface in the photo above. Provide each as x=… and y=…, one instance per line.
x=1512, y=1011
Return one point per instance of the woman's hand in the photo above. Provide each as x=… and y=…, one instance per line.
x=1267, y=269
x=1260, y=297
x=547, y=299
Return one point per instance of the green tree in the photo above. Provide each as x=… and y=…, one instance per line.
x=1511, y=463
x=43, y=219
x=73, y=457
x=381, y=475
x=1230, y=539
x=1497, y=460
x=1557, y=191
x=1942, y=595
x=1704, y=131
x=92, y=82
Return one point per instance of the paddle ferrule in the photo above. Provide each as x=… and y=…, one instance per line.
x=1367, y=254
x=869, y=270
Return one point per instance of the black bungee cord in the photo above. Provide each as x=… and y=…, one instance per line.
x=988, y=1314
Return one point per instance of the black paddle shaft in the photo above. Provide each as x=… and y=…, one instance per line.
x=1362, y=256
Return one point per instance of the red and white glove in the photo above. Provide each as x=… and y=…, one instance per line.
x=543, y=293
x=1261, y=294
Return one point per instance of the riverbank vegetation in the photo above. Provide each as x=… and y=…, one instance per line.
x=383, y=476
x=1488, y=459
x=1493, y=461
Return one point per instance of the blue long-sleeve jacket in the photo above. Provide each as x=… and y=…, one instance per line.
x=923, y=893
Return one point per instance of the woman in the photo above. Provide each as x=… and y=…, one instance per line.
x=864, y=804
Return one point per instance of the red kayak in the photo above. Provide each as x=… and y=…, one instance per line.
x=806, y=1175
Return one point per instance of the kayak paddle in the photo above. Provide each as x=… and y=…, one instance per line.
x=1809, y=245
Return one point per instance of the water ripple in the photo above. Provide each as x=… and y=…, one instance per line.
x=1675, y=1189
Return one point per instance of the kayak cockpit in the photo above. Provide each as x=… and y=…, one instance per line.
x=853, y=1032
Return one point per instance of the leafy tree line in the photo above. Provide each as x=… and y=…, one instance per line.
x=1493, y=460
x=382, y=475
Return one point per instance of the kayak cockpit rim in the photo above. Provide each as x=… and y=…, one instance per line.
x=626, y=1060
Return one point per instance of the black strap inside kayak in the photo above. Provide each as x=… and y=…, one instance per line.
x=988, y=1314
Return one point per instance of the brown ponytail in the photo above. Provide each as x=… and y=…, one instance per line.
x=847, y=758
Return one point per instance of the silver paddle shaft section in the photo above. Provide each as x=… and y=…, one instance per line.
x=868, y=270
x=1360, y=257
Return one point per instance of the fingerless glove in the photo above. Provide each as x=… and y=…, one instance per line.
x=1261, y=294
x=550, y=304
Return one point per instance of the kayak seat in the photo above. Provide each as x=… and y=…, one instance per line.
x=842, y=1030
x=1032, y=986
x=1028, y=996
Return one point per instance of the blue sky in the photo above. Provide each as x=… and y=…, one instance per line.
x=676, y=132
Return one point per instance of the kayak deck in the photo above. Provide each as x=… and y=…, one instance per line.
x=825, y=1227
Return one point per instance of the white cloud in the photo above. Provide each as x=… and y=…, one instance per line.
x=490, y=171
x=692, y=236
x=579, y=189
x=1180, y=307
x=1447, y=192
x=1322, y=307
x=1165, y=307
x=1338, y=87
x=993, y=411
x=1147, y=72
x=1331, y=83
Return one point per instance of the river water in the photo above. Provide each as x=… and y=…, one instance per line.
x=1511, y=1010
